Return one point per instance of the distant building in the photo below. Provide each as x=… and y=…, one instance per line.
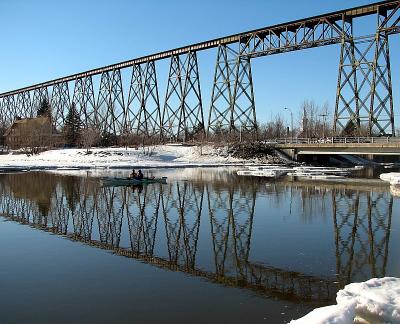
x=30, y=132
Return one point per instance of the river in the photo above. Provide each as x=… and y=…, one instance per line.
x=207, y=247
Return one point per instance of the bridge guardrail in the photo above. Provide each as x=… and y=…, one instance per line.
x=335, y=140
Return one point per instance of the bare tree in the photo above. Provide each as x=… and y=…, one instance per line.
x=315, y=120
x=90, y=136
x=273, y=129
x=35, y=137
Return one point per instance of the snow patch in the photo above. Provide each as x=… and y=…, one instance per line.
x=155, y=156
x=388, y=177
x=335, y=314
x=373, y=301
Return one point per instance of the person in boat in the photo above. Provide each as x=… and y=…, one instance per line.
x=133, y=174
x=139, y=175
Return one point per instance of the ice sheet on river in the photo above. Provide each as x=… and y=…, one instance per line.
x=373, y=301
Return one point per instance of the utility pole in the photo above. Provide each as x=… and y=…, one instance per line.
x=291, y=121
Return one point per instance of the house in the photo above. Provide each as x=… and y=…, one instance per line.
x=30, y=132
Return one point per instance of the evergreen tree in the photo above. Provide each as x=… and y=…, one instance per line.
x=108, y=139
x=44, y=108
x=72, y=127
x=72, y=192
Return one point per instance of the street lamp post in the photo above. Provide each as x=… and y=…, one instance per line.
x=291, y=121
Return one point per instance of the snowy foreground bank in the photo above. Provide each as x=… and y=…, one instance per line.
x=156, y=156
x=373, y=301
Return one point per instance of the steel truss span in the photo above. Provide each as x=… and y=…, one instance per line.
x=364, y=96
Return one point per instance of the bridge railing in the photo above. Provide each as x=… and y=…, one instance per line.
x=335, y=140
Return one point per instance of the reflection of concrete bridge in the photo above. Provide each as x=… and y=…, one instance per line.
x=84, y=212
x=345, y=184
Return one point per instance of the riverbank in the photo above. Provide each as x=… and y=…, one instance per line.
x=147, y=157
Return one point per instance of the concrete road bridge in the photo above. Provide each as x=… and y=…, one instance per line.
x=360, y=146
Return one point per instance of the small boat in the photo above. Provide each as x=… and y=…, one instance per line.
x=129, y=182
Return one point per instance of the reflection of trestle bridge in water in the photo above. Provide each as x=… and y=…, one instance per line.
x=83, y=211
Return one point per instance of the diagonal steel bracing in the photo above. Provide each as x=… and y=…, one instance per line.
x=23, y=105
x=221, y=97
x=110, y=103
x=232, y=99
x=381, y=110
x=243, y=113
x=220, y=114
x=2, y=114
x=9, y=110
x=352, y=108
x=135, y=100
x=39, y=95
x=364, y=102
x=389, y=18
x=183, y=110
x=84, y=100
x=60, y=103
x=143, y=116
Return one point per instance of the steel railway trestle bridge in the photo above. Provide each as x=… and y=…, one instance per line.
x=364, y=95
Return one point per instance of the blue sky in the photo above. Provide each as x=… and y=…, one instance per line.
x=43, y=40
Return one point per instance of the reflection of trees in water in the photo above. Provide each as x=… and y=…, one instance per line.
x=313, y=201
x=84, y=211
x=37, y=187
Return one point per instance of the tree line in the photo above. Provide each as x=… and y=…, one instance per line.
x=313, y=121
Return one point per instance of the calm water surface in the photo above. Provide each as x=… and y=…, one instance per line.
x=207, y=247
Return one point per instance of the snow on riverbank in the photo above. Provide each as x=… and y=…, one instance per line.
x=373, y=301
x=157, y=156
